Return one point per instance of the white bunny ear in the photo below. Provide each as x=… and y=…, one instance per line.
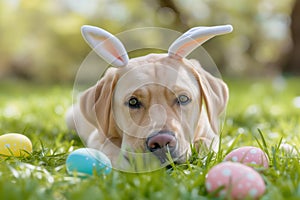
x=193, y=38
x=105, y=45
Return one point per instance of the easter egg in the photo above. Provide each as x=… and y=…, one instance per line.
x=235, y=180
x=87, y=161
x=248, y=155
x=289, y=149
x=14, y=144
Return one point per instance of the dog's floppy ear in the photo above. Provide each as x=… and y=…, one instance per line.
x=105, y=45
x=96, y=102
x=214, y=93
x=193, y=38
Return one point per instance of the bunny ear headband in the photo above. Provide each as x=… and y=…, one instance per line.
x=113, y=51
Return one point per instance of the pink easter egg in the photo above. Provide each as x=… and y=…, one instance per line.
x=248, y=155
x=237, y=180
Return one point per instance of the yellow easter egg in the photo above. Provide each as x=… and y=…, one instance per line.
x=14, y=144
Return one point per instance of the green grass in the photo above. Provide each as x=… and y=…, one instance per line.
x=258, y=114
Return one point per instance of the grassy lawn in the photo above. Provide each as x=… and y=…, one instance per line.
x=38, y=111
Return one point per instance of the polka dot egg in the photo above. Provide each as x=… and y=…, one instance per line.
x=87, y=161
x=15, y=144
x=237, y=180
x=248, y=155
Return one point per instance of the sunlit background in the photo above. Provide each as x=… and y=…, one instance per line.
x=41, y=40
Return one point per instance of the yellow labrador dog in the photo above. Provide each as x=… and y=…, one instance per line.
x=156, y=105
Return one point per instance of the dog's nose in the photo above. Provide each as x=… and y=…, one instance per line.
x=161, y=141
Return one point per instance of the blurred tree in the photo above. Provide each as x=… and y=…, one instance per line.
x=41, y=40
x=168, y=9
x=259, y=38
x=292, y=65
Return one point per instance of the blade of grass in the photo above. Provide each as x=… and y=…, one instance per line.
x=233, y=144
x=279, y=144
x=264, y=145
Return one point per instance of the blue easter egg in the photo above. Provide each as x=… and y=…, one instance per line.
x=86, y=161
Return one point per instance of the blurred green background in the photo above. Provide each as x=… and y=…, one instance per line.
x=41, y=41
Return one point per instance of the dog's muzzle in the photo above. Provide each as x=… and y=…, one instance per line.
x=161, y=144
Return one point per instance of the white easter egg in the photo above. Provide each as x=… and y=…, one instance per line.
x=87, y=161
x=237, y=181
x=15, y=144
x=289, y=149
x=248, y=155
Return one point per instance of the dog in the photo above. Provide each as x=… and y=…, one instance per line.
x=156, y=105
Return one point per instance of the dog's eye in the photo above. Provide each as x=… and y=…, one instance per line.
x=134, y=103
x=183, y=100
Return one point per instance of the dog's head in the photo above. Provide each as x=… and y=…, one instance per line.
x=157, y=103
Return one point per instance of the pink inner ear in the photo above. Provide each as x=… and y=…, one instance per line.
x=107, y=45
x=110, y=48
x=189, y=45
